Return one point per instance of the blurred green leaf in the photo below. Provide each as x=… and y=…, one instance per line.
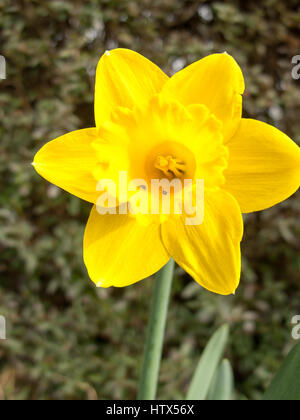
x=208, y=364
x=286, y=383
x=222, y=386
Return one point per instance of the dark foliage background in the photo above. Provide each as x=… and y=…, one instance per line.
x=67, y=340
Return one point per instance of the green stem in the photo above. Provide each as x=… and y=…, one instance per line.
x=155, y=332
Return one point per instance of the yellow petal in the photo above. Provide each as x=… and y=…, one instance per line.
x=68, y=162
x=215, y=81
x=124, y=78
x=209, y=252
x=264, y=166
x=118, y=251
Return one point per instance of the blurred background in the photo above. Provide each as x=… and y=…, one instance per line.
x=65, y=338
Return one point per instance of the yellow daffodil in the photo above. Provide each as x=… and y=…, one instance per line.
x=188, y=126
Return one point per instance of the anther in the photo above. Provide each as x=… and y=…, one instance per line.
x=170, y=166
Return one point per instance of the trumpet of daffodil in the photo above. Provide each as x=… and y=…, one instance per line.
x=187, y=126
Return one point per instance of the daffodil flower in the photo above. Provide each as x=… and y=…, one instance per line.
x=186, y=126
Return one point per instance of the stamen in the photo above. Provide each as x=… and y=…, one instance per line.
x=170, y=166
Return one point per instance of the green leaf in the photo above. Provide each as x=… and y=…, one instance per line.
x=286, y=383
x=208, y=364
x=222, y=386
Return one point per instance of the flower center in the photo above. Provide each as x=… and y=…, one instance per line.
x=170, y=160
x=170, y=166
